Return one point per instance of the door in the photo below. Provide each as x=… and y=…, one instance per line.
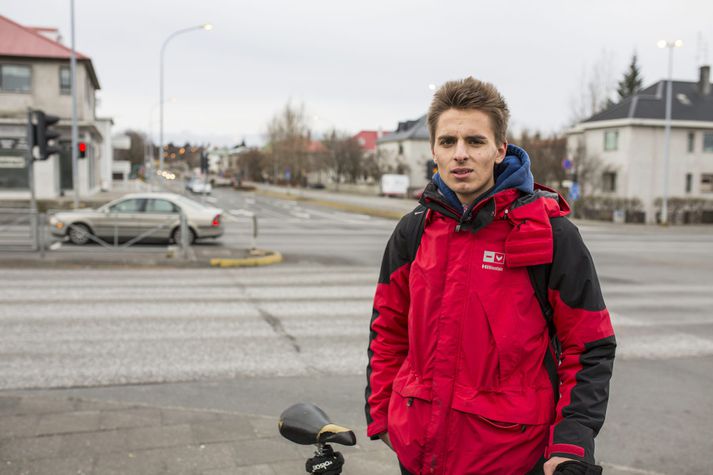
x=160, y=217
x=122, y=219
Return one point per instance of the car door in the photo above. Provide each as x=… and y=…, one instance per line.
x=124, y=217
x=160, y=217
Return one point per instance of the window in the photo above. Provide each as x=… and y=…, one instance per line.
x=691, y=142
x=611, y=140
x=708, y=142
x=401, y=148
x=135, y=205
x=65, y=80
x=15, y=78
x=689, y=182
x=160, y=206
x=609, y=182
x=707, y=183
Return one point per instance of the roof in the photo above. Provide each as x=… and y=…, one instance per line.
x=23, y=42
x=367, y=138
x=408, y=130
x=687, y=103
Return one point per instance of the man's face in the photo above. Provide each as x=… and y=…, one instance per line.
x=466, y=152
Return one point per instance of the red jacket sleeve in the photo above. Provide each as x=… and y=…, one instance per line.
x=585, y=333
x=388, y=337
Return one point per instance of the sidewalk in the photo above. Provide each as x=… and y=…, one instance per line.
x=57, y=436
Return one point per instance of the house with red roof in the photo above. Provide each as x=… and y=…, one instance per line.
x=35, y=74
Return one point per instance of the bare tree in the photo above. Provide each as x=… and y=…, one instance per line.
x=288, y=138
x=546, y=156
x=344, y=156
x=596, y=88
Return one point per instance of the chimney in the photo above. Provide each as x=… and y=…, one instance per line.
x=704, y=83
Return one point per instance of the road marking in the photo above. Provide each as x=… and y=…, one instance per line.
x=211, y=199
x=300, y=214
x=624, y=468
x=55, y=245
x=658, y=347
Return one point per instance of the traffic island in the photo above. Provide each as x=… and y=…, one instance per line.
x=254, y=258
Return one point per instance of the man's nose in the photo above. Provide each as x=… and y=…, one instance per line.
x=460, y=152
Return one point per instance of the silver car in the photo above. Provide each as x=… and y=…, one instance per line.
x=140, y=216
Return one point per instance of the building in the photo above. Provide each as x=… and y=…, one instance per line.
x=35, y=73
x=622, y=149
x=407, y=151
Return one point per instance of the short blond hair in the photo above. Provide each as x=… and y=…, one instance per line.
x=470, y=93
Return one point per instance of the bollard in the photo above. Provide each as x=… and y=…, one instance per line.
x=34, y=230
x=42, y=225
x=254, y=245
x=184, y=236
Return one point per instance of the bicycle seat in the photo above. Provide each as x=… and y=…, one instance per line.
x=307, y=424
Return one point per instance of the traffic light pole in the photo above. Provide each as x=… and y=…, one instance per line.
x=31, y=177
x=75, y=132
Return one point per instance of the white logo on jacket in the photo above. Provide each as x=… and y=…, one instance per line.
x=493, y=260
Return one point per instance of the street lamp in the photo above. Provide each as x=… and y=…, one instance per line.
x=667, y=131
x=206, y=27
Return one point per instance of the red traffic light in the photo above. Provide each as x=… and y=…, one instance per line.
x=82, y=149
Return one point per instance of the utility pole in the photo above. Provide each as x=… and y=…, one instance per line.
x=75, y=132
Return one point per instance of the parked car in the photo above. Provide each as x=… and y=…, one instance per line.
x=199, y=185
x=151, y=216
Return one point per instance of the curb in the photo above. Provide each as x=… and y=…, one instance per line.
x=272, y=257
x=341, y=206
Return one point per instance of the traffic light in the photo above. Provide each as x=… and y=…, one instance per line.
x=82, y=150
x=204, y=162
x=43, y=135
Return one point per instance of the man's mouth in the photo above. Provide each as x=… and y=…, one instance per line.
x=461, y=172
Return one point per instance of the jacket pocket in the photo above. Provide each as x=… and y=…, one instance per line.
x=409, y=415
x=506, y=409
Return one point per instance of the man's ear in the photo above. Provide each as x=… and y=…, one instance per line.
x=501, y=152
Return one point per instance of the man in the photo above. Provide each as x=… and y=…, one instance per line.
x=463, y=375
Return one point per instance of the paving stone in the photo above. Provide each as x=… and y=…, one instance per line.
x=134, y=463
x=180, y=416
x=18, y=426
x=44, y=405
x=138, y=417
x=93, y=443
x=198, y=458
x=264, y=426
x=69, y=422
x=252, y=470
x=9, y=404
x=232, y=429
x=264, y=451
x=84, y=405
x=29, y=448
x=162, y=436
x=57, y=466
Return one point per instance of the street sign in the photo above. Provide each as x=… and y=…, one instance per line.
x=567, y=164
x=12, y=162
x=574, y=192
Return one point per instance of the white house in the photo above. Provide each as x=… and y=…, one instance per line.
x=35, y=73
x=408, y=151
x=626, y=141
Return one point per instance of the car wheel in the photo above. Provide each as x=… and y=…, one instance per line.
x=176, y=236
x=79, y=234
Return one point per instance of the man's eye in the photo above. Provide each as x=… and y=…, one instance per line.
x=447, y=141
x=475, y=141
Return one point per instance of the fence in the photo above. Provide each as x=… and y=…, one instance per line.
x=19, y=229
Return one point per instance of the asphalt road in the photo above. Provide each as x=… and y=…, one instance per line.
x=257, y=340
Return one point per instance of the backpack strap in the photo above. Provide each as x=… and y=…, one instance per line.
x=414, y=229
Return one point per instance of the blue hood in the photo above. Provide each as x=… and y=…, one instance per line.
x=513, y=172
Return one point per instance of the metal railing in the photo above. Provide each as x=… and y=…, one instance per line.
x=117, y=241
x=19, y=229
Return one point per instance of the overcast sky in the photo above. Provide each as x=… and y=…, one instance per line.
x=359, y=65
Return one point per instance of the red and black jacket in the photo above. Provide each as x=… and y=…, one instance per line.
x=459, y=345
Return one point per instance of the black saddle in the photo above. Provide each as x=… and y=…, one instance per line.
x=307, y=424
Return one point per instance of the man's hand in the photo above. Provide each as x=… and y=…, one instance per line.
x=384, y=436
x=552, y=463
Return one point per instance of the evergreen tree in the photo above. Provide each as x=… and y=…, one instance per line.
x=631, y=82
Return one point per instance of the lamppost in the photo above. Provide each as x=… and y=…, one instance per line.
x=205, y=26
x=667, y=131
